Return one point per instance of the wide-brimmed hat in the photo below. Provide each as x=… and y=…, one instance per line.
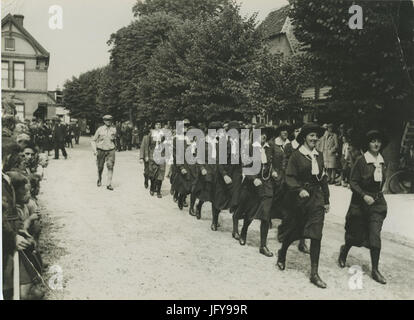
x=307, y=129
x=283, y=127
x=269, y=131
x=215, y=125
x=107, y=117
x=372, y=135
x=233, y=125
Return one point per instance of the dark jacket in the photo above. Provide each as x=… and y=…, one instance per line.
x=59, y=133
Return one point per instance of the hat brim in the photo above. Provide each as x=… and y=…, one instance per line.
x=375, y=134
x=307, y=130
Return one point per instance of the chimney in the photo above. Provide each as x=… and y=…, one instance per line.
x=19, y=18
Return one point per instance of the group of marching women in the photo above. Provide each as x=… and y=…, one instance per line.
x=291, y=185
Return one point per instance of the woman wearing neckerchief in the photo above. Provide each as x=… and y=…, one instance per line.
x=228, y=181
x=204, y=186
x=257, y=193
x=368, y=207
x=308, y=199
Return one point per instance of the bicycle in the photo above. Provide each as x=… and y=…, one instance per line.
x=402, y=181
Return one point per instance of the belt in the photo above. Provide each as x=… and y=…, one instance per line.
x=105, y=150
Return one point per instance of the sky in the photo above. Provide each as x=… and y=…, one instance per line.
x=81, y=44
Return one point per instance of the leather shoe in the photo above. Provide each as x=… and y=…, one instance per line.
x=317, y=281
x=185, y=204
x=146, y=185
x=151, y=193
x=159, y=195
x=110, y=188
x=342, y=258
x=99, y=183
x=235, y=235
x=378, y=277
x=242, y=241
x=191, y=212
x=213, y=227
x=265, y=251
x=198, y=213
x=281, y=261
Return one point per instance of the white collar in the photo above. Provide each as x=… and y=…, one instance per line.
x=369, y=158
x=306, y=152
x=6, y=177
x=280, y=142
x=259, y=145
x=295, y=144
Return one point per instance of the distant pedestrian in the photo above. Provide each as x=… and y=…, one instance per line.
x=59, y=136
x=103, y=145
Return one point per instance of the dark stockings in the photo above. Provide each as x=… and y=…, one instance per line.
x=375, y=256
x=264, y=230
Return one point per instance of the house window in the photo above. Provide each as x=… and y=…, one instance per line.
x=9, y=44
x=18, y=72
x=4, y=74
x=20, y=111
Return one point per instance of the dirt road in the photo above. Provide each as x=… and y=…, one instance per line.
x=126, y=244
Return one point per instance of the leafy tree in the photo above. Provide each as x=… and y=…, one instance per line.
x=366, y=68
x=132, y=48
x=80, y=97
x=202, y=71
x=184, y=9
x=278, y=84
x=370, y=69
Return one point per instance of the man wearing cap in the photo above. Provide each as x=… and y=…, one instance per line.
x=103, y=146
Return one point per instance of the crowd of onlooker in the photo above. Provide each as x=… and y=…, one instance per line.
x=339, y=153
x=26, y=146
x=127, y=136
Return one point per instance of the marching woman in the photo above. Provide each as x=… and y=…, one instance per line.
x=280, y=141
x=204, y=184
x=182, y=176
x=368, y=207
x=144, y=156
x=257, y=194
x=156, y=167
x=307, y=199
x=228, y=182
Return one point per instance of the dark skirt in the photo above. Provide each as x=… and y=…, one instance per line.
x=256, y=202
x=302, y=218
x=363, y=223
x=227, y=196
x=184, y=183
x=278, y=202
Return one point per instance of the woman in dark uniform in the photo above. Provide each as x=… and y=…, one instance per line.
x=307, y=198
x=257, y=194
x=181, y=176
x=283, y=161
x=204, y=184
x=368, y=207
x=228, y=182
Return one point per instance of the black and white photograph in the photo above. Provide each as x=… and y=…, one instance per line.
x=207, y=150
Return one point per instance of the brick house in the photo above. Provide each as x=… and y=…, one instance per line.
x=280, y=39
x=24, y=76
